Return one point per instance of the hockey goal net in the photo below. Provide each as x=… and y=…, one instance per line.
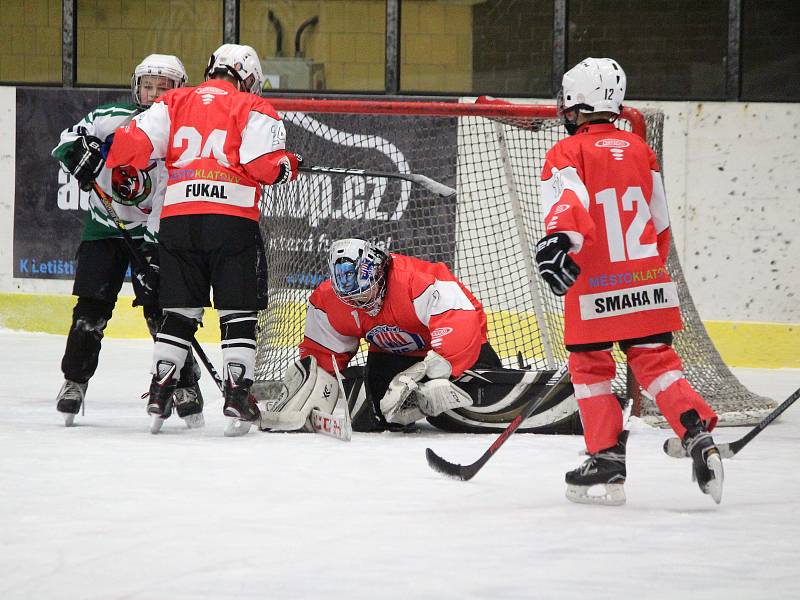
x=492, y=155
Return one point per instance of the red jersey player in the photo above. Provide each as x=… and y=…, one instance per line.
x=423, y=327
x=221, y=142
x=606, y=250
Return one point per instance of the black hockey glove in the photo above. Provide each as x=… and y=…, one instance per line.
x=555, y=265
x=289, y=168
x=147, y=281
x=84, y=160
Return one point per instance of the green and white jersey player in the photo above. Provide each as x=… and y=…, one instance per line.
x=102, y=257
x=137, y=194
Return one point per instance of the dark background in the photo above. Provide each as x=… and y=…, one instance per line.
x=44, y=234
x=46, y=237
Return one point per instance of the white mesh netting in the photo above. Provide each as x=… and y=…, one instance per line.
x=492, y=156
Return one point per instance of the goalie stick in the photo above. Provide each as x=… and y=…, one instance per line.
x=674, y=448
x=467, y=472
x=341, y=427
x=440, y=189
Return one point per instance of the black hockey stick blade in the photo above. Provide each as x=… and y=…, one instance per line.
x=440, y=189
x=674, y=448
x=467, y=472
x=448, y=469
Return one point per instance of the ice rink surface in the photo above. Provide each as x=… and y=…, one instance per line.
x=106, y=510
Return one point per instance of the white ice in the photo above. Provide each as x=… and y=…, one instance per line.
x=106, y=510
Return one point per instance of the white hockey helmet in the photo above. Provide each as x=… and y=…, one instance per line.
x=593, y=85
x=239, y=62
x=358, y=272
x=160, y=65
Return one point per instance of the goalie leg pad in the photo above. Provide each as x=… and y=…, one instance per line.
x=439, y=395
x=305, y=387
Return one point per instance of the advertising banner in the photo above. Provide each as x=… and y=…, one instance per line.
x=49, y=207
x=300, y=220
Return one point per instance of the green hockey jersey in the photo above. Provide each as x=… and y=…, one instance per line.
x=138, y=193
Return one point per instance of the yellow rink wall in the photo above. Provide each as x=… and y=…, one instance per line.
x=741, y=344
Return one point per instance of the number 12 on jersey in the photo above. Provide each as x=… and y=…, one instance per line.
x=627, y=245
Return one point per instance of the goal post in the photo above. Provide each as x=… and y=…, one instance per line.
x=492, y=156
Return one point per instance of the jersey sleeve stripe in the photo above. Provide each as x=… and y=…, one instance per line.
x=658, y=204
x=438, y=298
x=560, y=180
x=319, y=329
x=262, y=134
x=155, y=123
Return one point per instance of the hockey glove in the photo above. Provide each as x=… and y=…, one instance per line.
x=84, y=160
x=555, y=265
x=289, y=168
x=148, y=280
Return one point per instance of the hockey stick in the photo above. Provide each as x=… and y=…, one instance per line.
x=329, y=424
x=429, y=184
x=467, y=472
x=674, y=448
x=143, y=266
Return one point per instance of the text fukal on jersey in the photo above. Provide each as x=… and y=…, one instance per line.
x=206, y=190
x=230, y=193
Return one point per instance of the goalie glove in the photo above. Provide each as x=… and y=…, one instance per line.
x=84, y=160
x=399, y=404
x=556, y=267
x=305, y=387
x=424, y=389
x=438, y=395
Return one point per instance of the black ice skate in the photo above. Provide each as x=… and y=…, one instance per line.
x=706, y=461
x=605, y=469
x=162, y=387
x=240, y=404
x=70, y=400
x=188, y=403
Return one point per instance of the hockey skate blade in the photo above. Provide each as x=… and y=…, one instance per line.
x=714, y=487
x=613, y=494
x=69, y=419
x=674, y=449
x=236, y=427
x=195, y=421
x=156, y=422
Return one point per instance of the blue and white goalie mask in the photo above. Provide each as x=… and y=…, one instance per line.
x=358, y=273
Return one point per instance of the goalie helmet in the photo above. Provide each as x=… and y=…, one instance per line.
x=158, y=65
x=239, y=62
x=358, y=272
x=593, y=85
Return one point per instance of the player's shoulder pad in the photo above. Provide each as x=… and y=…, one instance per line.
x=262, y=105
x=108, y=117
x=412, y=275
x=564, y=153
x=116, y=106
x=323, y=295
